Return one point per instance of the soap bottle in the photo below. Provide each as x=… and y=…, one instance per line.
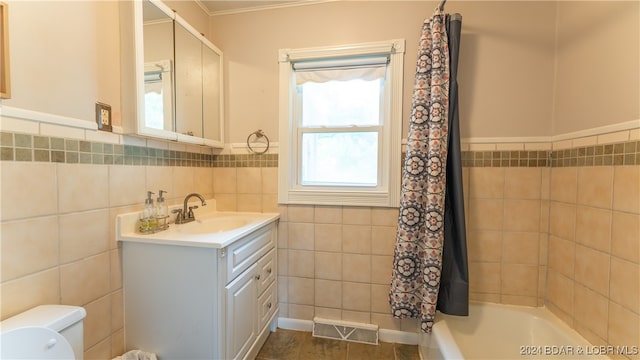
x=150, y=213
x=162, y=211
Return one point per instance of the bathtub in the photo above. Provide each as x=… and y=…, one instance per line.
x=493, y=331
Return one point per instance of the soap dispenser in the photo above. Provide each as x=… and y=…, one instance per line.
x=149, y=221
x=162, y=211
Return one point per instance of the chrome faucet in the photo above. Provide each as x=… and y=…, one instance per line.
x=185, y=216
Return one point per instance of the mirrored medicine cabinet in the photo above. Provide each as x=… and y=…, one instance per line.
x=171, y=77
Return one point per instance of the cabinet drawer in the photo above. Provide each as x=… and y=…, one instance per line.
x=268, y=303
x=242, y=254
x=266, y=271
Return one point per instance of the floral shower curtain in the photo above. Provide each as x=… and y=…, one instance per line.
x=418, y=254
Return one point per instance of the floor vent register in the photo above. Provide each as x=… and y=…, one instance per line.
x=346, y=331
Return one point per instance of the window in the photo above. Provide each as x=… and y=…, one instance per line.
x=340, y=124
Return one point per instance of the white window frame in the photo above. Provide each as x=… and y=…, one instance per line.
x=387, y=193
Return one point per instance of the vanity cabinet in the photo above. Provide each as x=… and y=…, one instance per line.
x=193, y=302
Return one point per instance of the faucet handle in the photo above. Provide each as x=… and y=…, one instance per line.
x=179, y=218
x=190, y=213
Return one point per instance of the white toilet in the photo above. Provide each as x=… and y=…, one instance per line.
x=44, y=332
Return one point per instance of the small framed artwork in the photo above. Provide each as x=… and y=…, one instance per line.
x=5, y=79
x=103, y=117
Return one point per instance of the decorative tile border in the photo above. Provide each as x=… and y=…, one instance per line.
x=25, y=147
x=29, y=148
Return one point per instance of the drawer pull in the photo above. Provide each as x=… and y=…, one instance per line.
x=258, y=277
x=269, y=306
x=269, y=271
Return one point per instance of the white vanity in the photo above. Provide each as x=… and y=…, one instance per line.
x=203, y=290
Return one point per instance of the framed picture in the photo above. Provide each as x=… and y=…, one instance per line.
x=103, y=117
x=5, y=78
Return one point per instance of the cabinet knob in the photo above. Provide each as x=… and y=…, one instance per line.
x=269, y=271
x=258, y=277
x=269, y=306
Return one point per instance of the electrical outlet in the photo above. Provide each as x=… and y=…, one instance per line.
x=103, y=116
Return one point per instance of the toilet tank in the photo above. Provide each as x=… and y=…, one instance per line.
x=65, y=319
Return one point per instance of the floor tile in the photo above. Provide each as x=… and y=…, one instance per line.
x=315, y=348
x=382, y=351
x=406, y=352
x=282, y=345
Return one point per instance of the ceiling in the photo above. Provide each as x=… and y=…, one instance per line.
x=215, y=7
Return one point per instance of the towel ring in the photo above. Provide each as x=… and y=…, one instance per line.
x=259, y=134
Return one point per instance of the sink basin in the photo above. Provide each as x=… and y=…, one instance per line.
x=215, y=225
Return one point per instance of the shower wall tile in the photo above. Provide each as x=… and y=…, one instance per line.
x=626, y=194
x=383, y=240
x=356, y=268
x=356, y=296
x=484, y=246
x=564, y=184
x=301, y=290
x=384, y=216
x=624, y=326
x=486, y=214
x=301, y=236
x=519, y=300
x=301, y=213
x=593, y=227
x=523, y=183
x=518, y=279
x=520, y=248
x=381, y=266
x=625, y=232
x=625, y=284
x=562, y=256
x=562, y=220
x=595, y=186
x=356, y=215
x=356, y=239
x=328, y=215
x=521, y=215
x=328, y=293
x=328, y=237
x=592, y=269
x=591, y=310
x=487, y=183
x=560, y=292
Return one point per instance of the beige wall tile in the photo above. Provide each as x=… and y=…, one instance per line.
x=301, y=213
x=97, y=324
x=562, y=256
x=115, y=275
x=595, y=186
x=42, y=197
x=484, y=245
x=520, y=247
x=270, y=203
x=356, y=239
x=328, y=265
x=591, y=310
x=249, y=202
x=301, y=290
x=202, y=182
x=28, y=246
x=384, y=217
x=356, y=215
x=29, y=291
x=84, y=281
x=302, y=312
x=381, y=267
x=522, y=183
x=624, y=326
x=101, y=350
x=589, y=335
x=127, y=185
x=545, y=185
x=484, y=277
x=117, y=310
x=560, y=291
x=486, y=214
x=328, y=237
x=269, y=180
x=161, y=178
x=518, y=279
x=543, y=257
x=487, y=183
x=380, y=299
x=592, y=269
x=562, y=220
x=283, y=289
x=224, y=181
x=624, y=288
x=626, y=190
x=283, y=235
x=328, y=313
x=625, y=232
x=484, y=297
x=563, y=316
x=226, y=202
x=564, y=184
x=383, y=240
x=519, y=300
x=249, y=180
x=84, y=234
x=356, y=296
x=385, y=321
x=117, y=343
x=593, y=227
x=184, y=182
x=363, y=317
x=544, y=216
x=301, y=263
x=301, y=235
x=328, y=294
x=328, y=215
x=356, y=268
x=521, y=215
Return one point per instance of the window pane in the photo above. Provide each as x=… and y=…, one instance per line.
x=324, y=159
x=341, y=103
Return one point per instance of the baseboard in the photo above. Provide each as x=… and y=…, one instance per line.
x=386, y=335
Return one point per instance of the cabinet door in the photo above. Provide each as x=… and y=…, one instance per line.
x=242, y=317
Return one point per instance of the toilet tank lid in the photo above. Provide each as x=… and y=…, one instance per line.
x=54, y=317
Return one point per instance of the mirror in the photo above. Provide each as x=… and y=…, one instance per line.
x=158, y=68
x=181, y=95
